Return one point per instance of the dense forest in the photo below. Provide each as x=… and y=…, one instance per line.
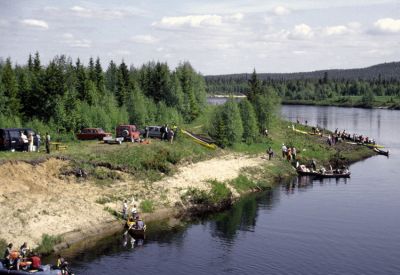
x=66, y=95
x=379, y=80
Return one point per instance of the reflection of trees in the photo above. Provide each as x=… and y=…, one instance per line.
x=242, y=216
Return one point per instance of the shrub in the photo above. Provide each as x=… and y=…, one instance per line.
x=147, y=206
x=47, y=244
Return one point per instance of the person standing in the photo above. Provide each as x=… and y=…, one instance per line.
x=270, y=153
x=24, y=140
x=36, y=141
x=134, y=211
x=124, y=209
x=284, y=150
x=47, y=141
x=294, y=153
x=30, y=142
x=171, y=136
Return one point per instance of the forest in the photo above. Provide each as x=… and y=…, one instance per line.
x=339, y=86
x=66, y=96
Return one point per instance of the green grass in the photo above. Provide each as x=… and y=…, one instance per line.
x=219, y=193
x=147, y=206
x=47, y=244
x=243, y=184
x=3, y=245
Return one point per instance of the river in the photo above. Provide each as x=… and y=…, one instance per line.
x=322, y=227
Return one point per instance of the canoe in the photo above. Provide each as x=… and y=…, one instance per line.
x=199, y=140
x=381, y=152
x=133, y=231
x=46, y=271
x=299, y=131
x=324, y=175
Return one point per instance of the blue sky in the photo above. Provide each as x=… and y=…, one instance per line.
x=217, y=37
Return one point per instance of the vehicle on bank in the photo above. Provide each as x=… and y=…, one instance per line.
x=152, y=132
x=92, y=133
x=128, y=132
x=10, y=138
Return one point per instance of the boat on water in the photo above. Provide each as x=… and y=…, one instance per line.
x=381, y=152
x=130, y=225
x=327, y=174
x=46, y=271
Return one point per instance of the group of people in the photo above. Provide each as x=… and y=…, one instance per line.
x=133, y=217
x=25, y=259
x=338, y=136
x=168, y=133
x=289, y=152
x=31, y=142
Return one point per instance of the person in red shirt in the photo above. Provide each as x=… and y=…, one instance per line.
x=36, y=262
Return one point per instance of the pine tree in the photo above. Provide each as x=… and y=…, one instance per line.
x=249, y=120
x=10, y=86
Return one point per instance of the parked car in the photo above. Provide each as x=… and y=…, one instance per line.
x=128, y=132
x=10, y=138
x=152, y=132
x=92, y=133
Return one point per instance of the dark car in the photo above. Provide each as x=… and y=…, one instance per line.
x=152, y=132
x=10, y=138
x=92, y=133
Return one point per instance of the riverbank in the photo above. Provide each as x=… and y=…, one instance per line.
x=47, y=196
x=379, y=102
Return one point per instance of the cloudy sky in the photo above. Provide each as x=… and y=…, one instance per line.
x=216, y=36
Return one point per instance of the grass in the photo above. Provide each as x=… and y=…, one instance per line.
x=3, y=245
x=47, y=244
x=147, y=206
x=218, y=194
x=243, y=184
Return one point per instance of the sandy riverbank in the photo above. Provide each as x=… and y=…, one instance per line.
x=38, y=199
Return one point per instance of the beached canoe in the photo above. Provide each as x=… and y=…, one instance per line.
x=200, y=140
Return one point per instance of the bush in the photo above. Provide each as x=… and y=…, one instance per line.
x=147, y=206
x=47, y=244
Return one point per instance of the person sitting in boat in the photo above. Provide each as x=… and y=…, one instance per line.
x=322, y=170
x=139, y=223
x=23, y=250
x=13, y=260
x=36, y=262
x=63, y=265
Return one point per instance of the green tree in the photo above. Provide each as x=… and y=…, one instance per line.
x=10, y=88
x=249, y=120
x=226, y=124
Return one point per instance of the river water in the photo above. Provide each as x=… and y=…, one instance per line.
x=323, y=227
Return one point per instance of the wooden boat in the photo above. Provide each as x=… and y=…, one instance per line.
x=328, y=174
x=381, y=152
x=46, y=271
x=133, y=231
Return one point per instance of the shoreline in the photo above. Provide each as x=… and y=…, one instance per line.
x=94, y=220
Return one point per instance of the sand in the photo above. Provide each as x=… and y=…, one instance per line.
x=36, y=199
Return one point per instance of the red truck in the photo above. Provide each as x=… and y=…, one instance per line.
x=92, y=133
x=128, y=132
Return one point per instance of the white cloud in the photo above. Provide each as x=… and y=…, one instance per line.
x=335, y=30
x=196, y=21
x=387, y=25
x=280, y=11
x=190, y=20
x=144, y=39
x=104, y=13
x=301, y=32
x=71, y=41
x=35, y=23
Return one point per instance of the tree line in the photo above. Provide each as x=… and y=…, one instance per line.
x=379, y=80
x=66, y=95
x=246, y=120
